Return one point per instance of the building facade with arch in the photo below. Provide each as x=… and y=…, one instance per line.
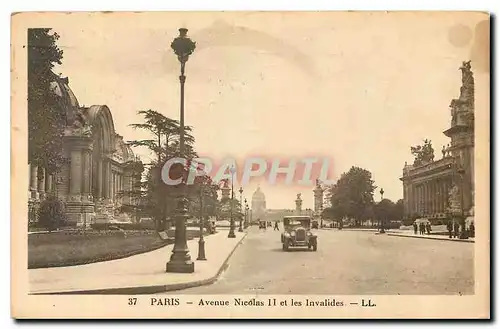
x=101, y=172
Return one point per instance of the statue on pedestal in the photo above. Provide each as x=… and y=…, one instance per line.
x=454, y=200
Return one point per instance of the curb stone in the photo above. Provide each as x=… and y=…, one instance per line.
x=429, y=238
x=145, y=290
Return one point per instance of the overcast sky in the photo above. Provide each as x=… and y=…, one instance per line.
x=357, y=88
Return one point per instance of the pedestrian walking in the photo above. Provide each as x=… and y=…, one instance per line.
x=428, y=226
x=276, y=227
x=456, y=229
x=422, y=228
x=472, y=229
x=415, y=227
x=449, y=226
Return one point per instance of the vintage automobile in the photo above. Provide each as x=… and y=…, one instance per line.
x=314, y=224
x=298, y=233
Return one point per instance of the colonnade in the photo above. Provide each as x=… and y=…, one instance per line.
x=427, y=197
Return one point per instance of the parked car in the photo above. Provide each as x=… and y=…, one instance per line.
x=297, y=233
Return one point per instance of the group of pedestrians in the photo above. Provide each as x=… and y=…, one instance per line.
x=454, y=230
x=422, y=228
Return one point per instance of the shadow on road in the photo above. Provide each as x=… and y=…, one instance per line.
x=290, y=250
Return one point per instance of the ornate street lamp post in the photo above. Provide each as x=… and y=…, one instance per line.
x=201, y=241
x=246, y=213
x=231, y=228
x=241, y=209
x=381, y=218
x=180, y=261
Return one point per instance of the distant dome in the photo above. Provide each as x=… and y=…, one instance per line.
x=258, y=195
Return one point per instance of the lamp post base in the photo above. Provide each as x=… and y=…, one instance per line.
x=201, y=250
x=179, y=266
x=231, y=234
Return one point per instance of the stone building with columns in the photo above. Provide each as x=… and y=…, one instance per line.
x=439, y=189
x=101, y=170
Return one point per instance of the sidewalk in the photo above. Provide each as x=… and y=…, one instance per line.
x=431, y=237
x=358, y=229
x=140, y=274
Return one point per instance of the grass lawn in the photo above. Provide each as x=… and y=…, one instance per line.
x=62, y=249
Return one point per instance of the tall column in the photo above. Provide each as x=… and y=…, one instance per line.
x=87, y=164
x=34, y=181
x=110, y=181
x=415, y=198
x=422, y=199
x=445, y=196
x=48, y=184
x=41, y=184
x=439, y=196
x=419, y=200
x=112, y=185
x=433, y=196
x=426, y=198
x=91, y=176
x=436, y=196
x=429, y=197
x=75, y=187
x=107, y=179
x=100, y=193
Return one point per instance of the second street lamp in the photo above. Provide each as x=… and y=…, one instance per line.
x=201, y=241
x=381, y=212
x=246, y=213
x=180, y=260
x=241, y=210
x=231, y=227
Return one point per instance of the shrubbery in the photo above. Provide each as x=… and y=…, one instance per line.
x=123, y=226
x=51, y=213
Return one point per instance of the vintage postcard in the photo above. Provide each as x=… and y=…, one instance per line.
x=252, y=165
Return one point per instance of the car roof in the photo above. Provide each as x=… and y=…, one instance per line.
x=297, y=217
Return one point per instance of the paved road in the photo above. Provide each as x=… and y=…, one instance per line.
x=347, y=262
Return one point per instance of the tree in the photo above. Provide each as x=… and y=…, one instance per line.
x=158, y=199
x=51, y=215
x=423, y=153
x=352, y=195
x=384, y=211
x=399, y=210
x=46, y=117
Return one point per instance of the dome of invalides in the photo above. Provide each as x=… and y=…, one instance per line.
x=258, y=195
